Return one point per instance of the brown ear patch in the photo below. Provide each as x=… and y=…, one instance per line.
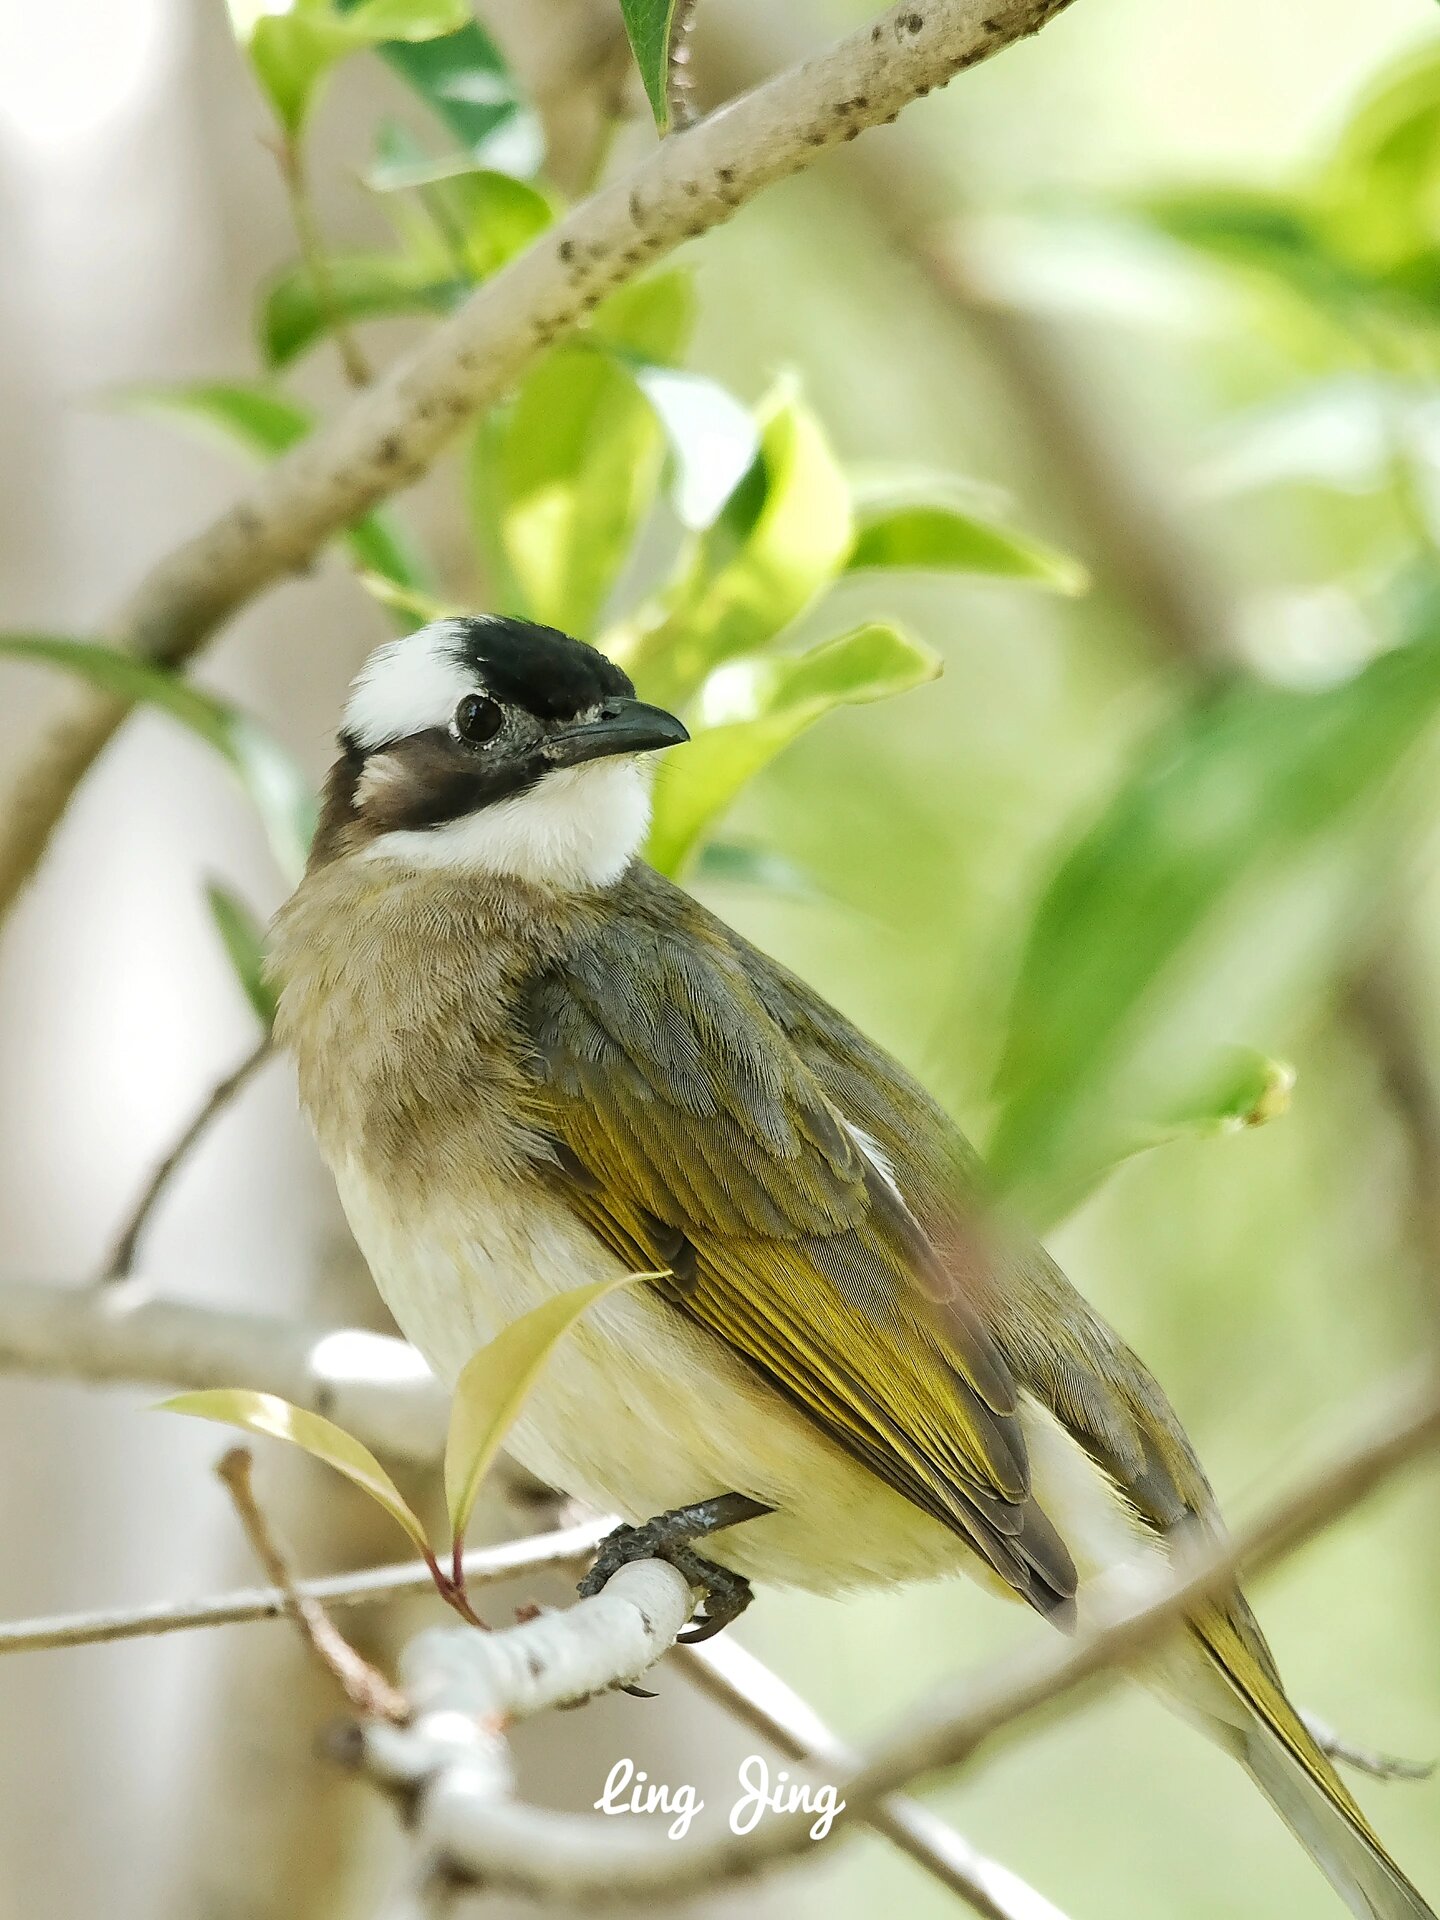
x=382, y=772
x=431, y=779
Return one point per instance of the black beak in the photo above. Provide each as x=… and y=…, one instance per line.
x=621, y=726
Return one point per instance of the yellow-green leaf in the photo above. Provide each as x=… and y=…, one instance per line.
x=296, y=309
x=750, y=710
x=783, y=536
x=267, y=1414
x=492, y=1389
x=293, y=44
x=1233, y=866
x=418, y=609
x=564, y=475
x=1245, y=1090
x=933, y=534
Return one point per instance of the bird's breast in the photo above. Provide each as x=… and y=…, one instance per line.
x=636, y=1410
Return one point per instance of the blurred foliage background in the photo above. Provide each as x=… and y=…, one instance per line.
x=1110, y=382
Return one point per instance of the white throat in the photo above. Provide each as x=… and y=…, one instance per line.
x=575, y=830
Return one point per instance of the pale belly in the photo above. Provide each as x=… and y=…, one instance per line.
x=638, y=1411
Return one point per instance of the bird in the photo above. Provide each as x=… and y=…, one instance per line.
x=532, y=1062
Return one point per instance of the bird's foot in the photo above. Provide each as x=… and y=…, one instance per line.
x=671, y=1536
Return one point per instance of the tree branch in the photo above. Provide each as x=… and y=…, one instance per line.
x=375, y=1386
x=455, y=1781
x=730, y=1675
x=380, y=1387
x=389, y=434
x=512, y=1559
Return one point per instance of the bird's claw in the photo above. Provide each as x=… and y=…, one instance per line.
x=670, y=1536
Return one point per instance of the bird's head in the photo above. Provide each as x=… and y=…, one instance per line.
x=496, y=746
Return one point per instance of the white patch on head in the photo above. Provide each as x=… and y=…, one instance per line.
x=408, y=686
x=575, y=829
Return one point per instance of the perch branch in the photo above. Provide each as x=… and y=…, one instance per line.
x=391, y=432
x=375, y=1386
x=454, y=1779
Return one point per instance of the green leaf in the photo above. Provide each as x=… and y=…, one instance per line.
x=292, y=47
x=1381, y=186
x=266, y=1414
x=291, y=54
x=1284, y=238
x=1246, y=1090
x=255, y=419
x=487, y=217
x=258, y=421
x=651, y=27
x=296, y=310
x=279, y=790
x=750, y=710
x=464, y=80
x=563, y=477
x=495, y=1382
x=732, y=863
x=563, y=481
x=783, y=536
x=652, y=319
x=937, y=535
x=243, y=936
x=1205, y=902
x=415, y=609
x=712, y=438
x=376, y=21
x=481, y=217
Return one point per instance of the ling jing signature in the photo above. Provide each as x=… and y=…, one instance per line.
x=629, y=1789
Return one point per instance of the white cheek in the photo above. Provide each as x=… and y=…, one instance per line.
x=575, y=830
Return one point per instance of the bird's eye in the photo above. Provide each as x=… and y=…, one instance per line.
x=478, y=718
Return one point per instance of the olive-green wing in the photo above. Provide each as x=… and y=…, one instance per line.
x=1063, y=1353
x=690, y=1133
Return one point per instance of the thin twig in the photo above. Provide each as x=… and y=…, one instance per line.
x=291, y=157
x=393, y=430
x=566, y=1547
x=1368, y=1760
x=364, y=1686
x=730, y=1675
x=470, y=1830
x=121, y=1259
x=1380, y=1005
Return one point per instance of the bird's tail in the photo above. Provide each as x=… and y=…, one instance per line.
x=1252, y=1717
